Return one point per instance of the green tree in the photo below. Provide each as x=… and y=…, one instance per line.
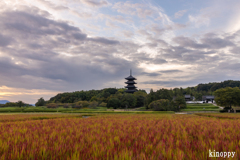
x=52, y=105
x=83, y=104
x=141, y=96
x=103, y=104
x=10, y=104
x=227, y=97
x=40, y=102
x=178, y=103
x=128, y=100
x=93, y=104
x=20, y=104
x=150, y=98
x=198, y=96
x=94, y=98
x=159, y=105
x=163, y=94
x=113, y=102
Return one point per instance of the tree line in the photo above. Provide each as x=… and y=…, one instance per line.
x=15, y=104
x=162, y=99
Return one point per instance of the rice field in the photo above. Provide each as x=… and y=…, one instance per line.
x=116, y=136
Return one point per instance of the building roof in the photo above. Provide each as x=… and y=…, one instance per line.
x=130, y=86
x=130, y=82
x=209, y=97
x=130, y=78
x=130, y=91
x=187, y=96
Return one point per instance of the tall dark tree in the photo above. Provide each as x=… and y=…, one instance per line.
x=141, y=96
x=150, y=98
x=20, y=104
x=40, y=102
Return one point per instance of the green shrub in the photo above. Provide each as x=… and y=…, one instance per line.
x=66, y=105
x=128, y=100
x=113, y=102
x=159, y=105
x=103, y=104
x=83, y=104
x=93, y=104
x=52, y=105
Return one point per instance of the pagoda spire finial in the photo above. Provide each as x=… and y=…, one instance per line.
x=130, y=72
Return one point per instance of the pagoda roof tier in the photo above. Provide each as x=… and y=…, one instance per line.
x=130, y=78
x=130, y=82
x=130, y=91
x=130, y=86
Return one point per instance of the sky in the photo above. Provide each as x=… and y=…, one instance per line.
x=54, y=46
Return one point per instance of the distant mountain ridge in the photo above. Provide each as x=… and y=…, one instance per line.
x=4, y=101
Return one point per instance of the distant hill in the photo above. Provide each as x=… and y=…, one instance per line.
x=4, y=101
x=217, y=85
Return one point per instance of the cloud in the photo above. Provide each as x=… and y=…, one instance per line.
x=180, y=13
x=126, y=7
x=95, y=3
x=143, y=13
x=187, y=42
x=26, y=95
x=151, y=74
x=48, y=54
x=139, y=9
x=128, y=33
x=81, y=14
x=52, y=5
x=39, y=50
x=5, y=41
x=217, y=43
x=104, y=41
x=170, y=71
x=199, y=20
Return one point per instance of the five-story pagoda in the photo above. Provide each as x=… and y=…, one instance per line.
x=130, y=83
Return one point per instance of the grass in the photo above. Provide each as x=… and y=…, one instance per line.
x=141, y=109
x=98, y=110
x=201, y=107
x=123, y=112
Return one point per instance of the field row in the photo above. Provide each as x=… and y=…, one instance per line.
x=119, y=137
